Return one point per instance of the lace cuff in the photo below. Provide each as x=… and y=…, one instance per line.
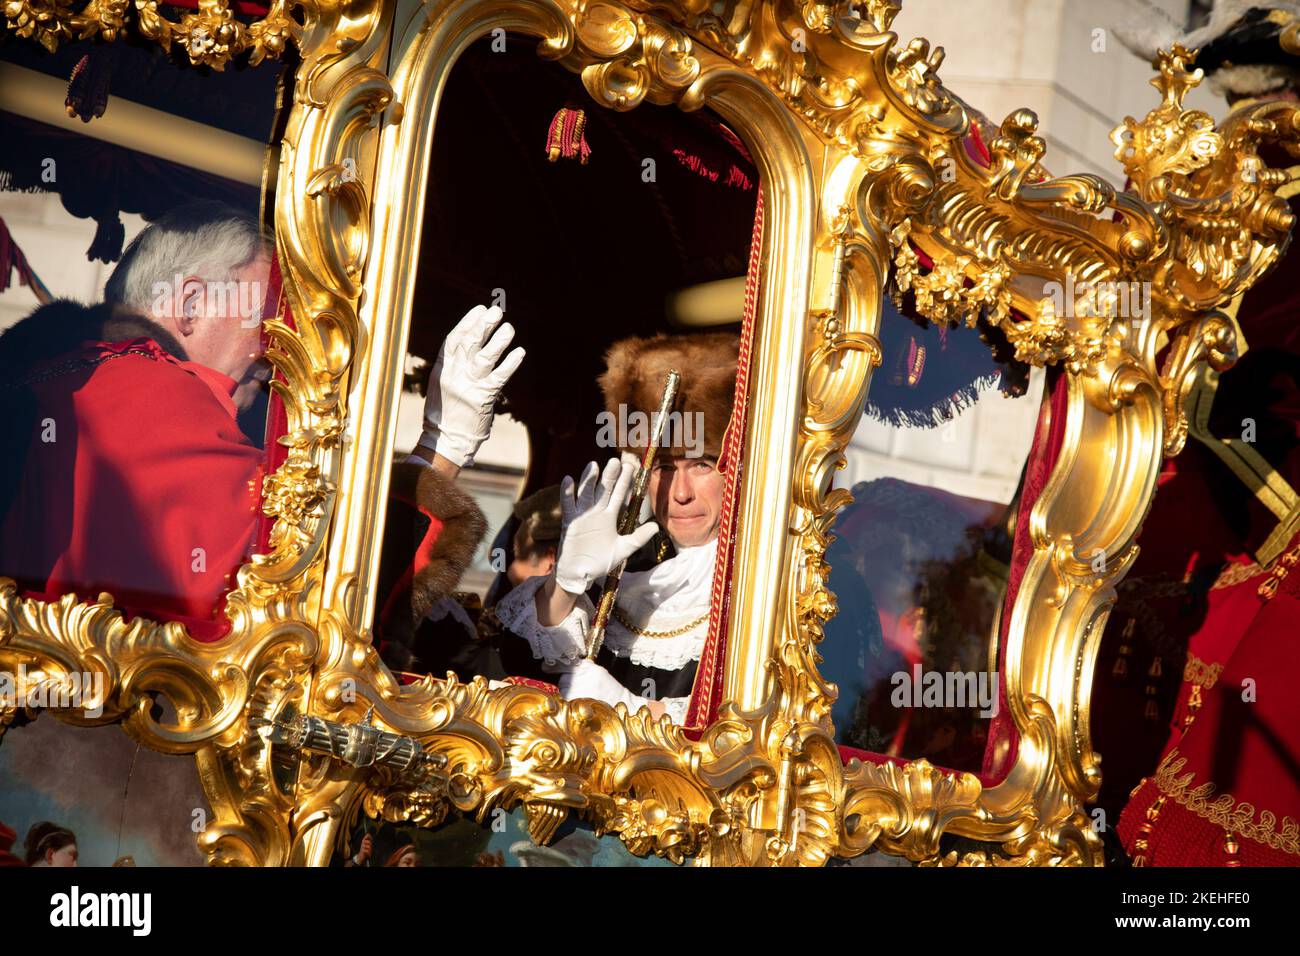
x=677, y=707
x=564, y=643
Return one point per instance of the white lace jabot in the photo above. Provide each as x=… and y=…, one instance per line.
x=671, y=595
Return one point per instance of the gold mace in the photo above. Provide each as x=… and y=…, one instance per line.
x=627, y=519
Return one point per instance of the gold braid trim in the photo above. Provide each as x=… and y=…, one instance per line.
x=1201, y=673
x=1224, y=810
x=1234, y=573
x=1278, y=573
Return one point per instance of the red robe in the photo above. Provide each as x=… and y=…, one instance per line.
x=136, y=480
x=7, y=858
x=1221, y=750
x=1227, y=791
x=150, y=491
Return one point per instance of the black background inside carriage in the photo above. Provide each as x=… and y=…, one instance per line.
x=586, y=254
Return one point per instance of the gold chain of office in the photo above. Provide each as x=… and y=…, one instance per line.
x=675, y=632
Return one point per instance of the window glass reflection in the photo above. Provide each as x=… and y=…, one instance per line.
x=131, y=364
x=921, y=558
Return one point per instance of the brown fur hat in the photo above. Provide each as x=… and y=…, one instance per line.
x=634, y=378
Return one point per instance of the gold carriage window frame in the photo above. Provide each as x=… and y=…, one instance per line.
x=301, y=611
x=770, y=393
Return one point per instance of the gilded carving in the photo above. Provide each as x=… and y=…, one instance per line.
x=765, y=785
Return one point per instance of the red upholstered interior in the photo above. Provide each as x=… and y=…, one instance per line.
x=707, y=692
x=1000, y=754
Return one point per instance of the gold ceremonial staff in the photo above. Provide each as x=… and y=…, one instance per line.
x=627, y=519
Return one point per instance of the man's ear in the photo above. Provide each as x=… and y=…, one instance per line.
x=189, y=305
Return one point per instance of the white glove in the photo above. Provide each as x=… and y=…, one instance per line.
x=572, y=506
x=590, y=681
x=590, y=545
x=464, y=385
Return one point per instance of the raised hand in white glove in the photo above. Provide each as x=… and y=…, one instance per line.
x=589, y=680
x=590, y=545
x=464, y=385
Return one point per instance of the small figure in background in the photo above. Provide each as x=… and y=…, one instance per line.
x=405, y=855
x=49, y=844
x=363, y=855
x=537, y=539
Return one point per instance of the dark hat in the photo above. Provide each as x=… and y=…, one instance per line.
x=1242, y=47
x=539, y=515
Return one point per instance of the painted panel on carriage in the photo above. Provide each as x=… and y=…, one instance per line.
x=501, y=840
x=93, y=797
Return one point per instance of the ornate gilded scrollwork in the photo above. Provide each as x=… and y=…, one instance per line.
x=631, y=775
x=211, y=36
x=50, y=22
x=635, y=56
x=811, y=86
x=1220, y=203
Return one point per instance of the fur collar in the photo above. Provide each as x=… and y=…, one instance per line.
x=1254, y=79
x=421, y=564
x=60, y=327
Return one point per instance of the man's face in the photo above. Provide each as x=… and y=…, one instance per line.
x=687, y=497
x=220, y=323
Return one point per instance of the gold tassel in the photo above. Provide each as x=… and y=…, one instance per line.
x=1120, y=668
x=1142, y=845
x=1152, y=711
x=1230, y=847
